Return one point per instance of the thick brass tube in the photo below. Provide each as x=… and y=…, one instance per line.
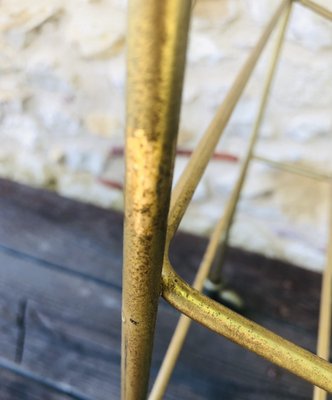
x=157, y=37
x=244, y=332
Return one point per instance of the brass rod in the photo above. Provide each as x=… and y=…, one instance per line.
x=157, y=37
x=170, y=359
x=325, y=314
x=317, y=8
x=218, y=235
x=194, y=170
x=215, y=273
x=184, y=323
x=294, y=169
x=244, y=332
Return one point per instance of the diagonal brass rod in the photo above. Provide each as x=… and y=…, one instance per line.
x=157, y=37
x=294, y=169
x=317, y=8
x=195, y=168
x=183, y=325
x=218, y=234
x=215, y=273
x=324, y=329
x=244, y=332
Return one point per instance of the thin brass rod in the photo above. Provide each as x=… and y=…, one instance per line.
x=157, y=37
x=184, y=323
x=294, y=169
x=217, y=237
x=170, y=359
x=317, y=8
x=215, y=273
x=244, y=332
x=194, y=170
x=219, y=233
x=324, y=329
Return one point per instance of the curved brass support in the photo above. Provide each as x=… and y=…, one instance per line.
x=246, y=333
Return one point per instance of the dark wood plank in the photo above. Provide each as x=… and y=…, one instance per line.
x=69, y=234
x=82, y=346
x=62, y=260
x=16, y=387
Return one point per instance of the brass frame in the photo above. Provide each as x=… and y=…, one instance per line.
x=157, y=37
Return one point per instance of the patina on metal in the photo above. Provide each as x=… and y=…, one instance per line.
x=157, y=37
x=244, y=332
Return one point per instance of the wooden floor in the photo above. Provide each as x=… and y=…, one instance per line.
x=60, y=296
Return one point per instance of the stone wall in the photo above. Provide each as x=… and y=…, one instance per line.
x=62, y=113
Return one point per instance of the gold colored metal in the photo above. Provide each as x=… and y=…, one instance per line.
x=215, y=273
x=217, y=239
x=157, y=36
x=244, y=332
x=317, y=8
x=157, y=39
x=294, y=169
x=195, y=168
x=183, y=325
x=324, y=329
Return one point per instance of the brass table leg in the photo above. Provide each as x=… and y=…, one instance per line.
x=157, y=37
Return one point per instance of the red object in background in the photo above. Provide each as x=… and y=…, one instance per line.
x=112, y=184
x=119, y=152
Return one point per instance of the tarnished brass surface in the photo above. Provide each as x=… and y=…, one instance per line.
x=157, y=37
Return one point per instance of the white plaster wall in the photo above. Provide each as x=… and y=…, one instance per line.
x=62, y=112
